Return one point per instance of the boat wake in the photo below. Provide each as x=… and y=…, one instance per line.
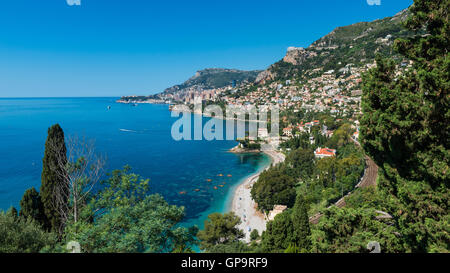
x=129, y=131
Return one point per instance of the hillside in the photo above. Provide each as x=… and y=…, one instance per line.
x=213, y=78
x=355, y=44
x=207, y=79
x=345, y=51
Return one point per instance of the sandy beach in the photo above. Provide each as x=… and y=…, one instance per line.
x=243, y=204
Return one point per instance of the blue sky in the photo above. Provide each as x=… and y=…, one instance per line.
x=122, y=47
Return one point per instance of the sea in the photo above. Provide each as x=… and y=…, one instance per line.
x=199, y=175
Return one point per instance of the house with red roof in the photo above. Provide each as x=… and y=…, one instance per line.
x=324, y=152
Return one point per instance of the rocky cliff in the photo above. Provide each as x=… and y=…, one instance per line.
x=357, y=44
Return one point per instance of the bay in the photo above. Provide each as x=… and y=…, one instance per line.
x=137, y=136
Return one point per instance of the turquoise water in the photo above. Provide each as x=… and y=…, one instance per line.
x=138, y=136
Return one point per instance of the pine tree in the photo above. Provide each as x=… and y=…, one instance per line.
x=300, y=221
x=405, y=128
x=31, y=206
x=53, y=167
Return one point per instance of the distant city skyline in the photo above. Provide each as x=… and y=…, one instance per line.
x=112, y=48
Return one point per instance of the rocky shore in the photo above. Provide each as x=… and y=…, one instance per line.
x=239, y=150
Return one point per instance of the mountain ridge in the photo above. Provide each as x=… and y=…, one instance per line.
x=357, y=43
x=211, y=78
x=354, y=45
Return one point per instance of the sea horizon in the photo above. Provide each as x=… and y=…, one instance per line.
x=69, y=97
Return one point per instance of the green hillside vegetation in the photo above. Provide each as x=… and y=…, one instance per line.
x=320, y=181
x=405, y=129
x=215, y=78
x=356, y=44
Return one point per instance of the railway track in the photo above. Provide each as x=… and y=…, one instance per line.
x=369, y=179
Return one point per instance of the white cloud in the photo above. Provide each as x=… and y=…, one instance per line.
x=73, y=2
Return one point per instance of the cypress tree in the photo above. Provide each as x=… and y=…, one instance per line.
x=54, y=159
x=300, y=221
x=31, y=206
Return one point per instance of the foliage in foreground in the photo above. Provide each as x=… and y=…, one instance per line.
x=124, y=217
x=289, y=231
x=405, y=129
x=23, y=235
x=220, y=229
x=349, y=230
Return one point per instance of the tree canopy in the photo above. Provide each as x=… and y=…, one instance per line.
x=274, y=187
x=220, y=229
x=405, y=128
x=124, y=217
x=23, y=235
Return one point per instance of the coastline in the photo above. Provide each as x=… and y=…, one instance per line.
x=160, y=102
x=240, y=201
x=239, y=150
x=243, y=204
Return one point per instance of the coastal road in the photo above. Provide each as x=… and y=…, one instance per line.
x=369, y=179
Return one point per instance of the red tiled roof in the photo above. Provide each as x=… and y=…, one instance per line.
x=325, y=151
